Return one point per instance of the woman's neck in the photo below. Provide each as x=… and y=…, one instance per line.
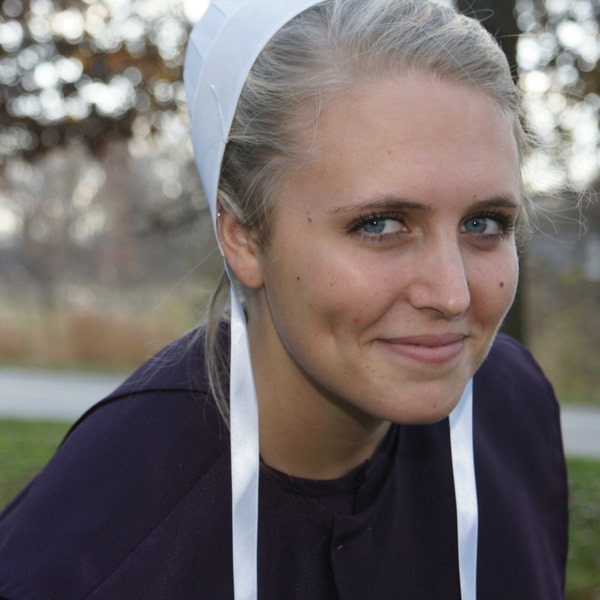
x=300, y=445
x=304, y=431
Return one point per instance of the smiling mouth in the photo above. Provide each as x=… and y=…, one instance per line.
x=427, y=349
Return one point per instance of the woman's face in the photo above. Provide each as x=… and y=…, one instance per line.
x=392, y=259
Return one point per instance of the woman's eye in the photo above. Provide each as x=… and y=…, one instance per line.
x=381, y=226
x=483, y=226
x=387, y=229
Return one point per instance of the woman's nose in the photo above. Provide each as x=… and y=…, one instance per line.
x=440, y=281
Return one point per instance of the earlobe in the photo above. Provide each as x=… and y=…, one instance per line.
x=240, y=249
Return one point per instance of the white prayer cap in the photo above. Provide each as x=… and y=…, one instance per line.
x=222, y=49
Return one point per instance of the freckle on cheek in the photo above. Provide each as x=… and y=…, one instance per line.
x=502, y=284
x=298, y=278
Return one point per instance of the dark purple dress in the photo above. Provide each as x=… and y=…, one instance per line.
x=136, y=502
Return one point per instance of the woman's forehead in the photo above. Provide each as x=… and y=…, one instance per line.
x=414, y=117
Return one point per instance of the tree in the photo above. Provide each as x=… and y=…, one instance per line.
x=75, y=71
x=100, y=83
x=559, y=52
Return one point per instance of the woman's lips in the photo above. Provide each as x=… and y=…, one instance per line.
x=429, y=349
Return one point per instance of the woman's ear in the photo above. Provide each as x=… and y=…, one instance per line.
x=240, y=247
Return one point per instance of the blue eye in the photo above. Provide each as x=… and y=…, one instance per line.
x=477, y=225
x=374, y=226
x=484, y=226
x=380, y=226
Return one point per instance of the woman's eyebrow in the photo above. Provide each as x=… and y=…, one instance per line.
x=395, y=204
x=381, y=204
x=503, y=202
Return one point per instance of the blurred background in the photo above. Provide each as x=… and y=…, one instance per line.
x=106, y=249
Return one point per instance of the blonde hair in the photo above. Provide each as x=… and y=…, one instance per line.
x=325, y=50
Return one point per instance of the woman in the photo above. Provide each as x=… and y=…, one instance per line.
x=363, y=174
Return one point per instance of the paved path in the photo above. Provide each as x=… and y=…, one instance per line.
x=581, y=431
x=65, y=396
x=51, y=395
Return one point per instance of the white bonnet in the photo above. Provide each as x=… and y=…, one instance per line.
x=222, y=48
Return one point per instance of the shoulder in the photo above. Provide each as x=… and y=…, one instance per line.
x=512, y=364
x=511, y=381
x=161, y=413
x=123, y=467
x=521, y=474
x=514, y=398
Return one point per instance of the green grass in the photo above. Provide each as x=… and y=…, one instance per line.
x=25, y=446
x=583, y=571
